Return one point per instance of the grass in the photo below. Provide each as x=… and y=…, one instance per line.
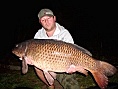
x=13, y=79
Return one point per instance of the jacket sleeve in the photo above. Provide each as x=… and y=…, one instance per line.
x=37, y=35
x=66, y=36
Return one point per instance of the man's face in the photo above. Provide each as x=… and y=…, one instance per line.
x=48, y=22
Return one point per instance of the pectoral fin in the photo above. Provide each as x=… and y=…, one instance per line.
x=24, y=66
x=49, y=77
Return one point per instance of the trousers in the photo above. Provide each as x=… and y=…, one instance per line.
x=68, y=81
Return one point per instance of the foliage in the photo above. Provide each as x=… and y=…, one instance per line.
x=14, y=80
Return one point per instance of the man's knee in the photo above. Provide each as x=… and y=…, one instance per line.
x=68, y=81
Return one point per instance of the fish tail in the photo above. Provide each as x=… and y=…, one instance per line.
x=100, y=79
x=107, y=68
x=100, y=74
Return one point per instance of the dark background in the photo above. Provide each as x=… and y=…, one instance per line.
x=93, y=25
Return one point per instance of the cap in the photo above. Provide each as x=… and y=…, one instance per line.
x=45, y=12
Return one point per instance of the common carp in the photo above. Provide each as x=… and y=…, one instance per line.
x=53, y=56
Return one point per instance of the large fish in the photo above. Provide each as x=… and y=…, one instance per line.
x=53, y=56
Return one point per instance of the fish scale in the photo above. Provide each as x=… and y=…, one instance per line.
x=57, y=56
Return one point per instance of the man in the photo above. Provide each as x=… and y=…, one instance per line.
x=52, y=30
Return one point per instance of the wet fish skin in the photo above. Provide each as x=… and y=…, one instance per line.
x=57, y=56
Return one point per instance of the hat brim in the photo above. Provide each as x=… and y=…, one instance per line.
x=47, y=15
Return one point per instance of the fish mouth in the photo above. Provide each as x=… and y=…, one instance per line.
x=13, y=51
x=15, y=56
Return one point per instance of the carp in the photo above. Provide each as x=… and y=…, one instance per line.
x=56, y=56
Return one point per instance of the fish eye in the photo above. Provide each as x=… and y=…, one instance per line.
x=17, y=45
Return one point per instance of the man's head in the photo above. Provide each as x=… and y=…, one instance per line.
x=47, y=19
x=45, y=12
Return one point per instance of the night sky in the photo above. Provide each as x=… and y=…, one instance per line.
x=93, y=25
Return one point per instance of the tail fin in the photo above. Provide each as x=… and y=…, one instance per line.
x=107, y=68
x=100, y=79
x=100, y=75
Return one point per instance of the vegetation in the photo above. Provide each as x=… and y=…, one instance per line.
x=14, y=79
